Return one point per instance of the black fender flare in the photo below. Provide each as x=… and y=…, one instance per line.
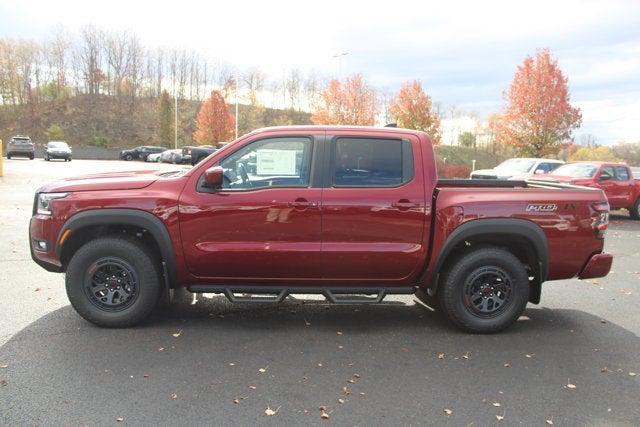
x=132, y=217
x=526, y=229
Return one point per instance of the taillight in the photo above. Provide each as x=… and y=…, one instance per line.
x=600, y=218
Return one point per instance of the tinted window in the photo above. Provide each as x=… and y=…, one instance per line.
x=577, y=170
x=607, y=170
x=372, y=162
x=273, y=162
x=622, y=174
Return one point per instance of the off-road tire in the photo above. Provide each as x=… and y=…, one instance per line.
x=635, y=210
x=136, y=255
x=457, y=305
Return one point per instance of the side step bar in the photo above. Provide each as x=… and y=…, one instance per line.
x=276, y=294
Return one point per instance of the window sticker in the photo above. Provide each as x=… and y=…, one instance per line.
x=276, y=162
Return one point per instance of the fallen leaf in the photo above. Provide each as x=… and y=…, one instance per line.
x=448, y=411
x=174, y=396
x=496, y=404
x=37, y=290
x=339, y=332
x=120, y=419
x=3, y=366
x=340, y=347
x=236, y=401
x=145, y=376
x=161, y=349
x=356, y=375
x=605, y=369
x=306, y=323
x=177, y=334
x=466, y=355
x=404, y=349
x=549, y=422
x=571, y=386
x=350, y=381
x=232, y=364
x=440, y=355
x=499, y=417
x=346, y=391
x=320, y=365
x=262, y=370
x=362, y=393
x=507, y=365
x=529, y=356
x=252, y=387
x=632, y=374
x=269, y=412
x=603, y=321
x=324, y=415
x=341, y=401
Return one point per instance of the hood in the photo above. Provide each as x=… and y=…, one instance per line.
x=491, y=173
x=103, y=181
x=564, y=179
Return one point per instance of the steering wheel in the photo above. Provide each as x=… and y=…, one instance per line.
x=242, y=170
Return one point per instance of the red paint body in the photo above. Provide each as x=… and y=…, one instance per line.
x=621, y=193
x=324, y=235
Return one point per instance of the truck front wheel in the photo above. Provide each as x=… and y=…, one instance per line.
x=113, y=281
x=635, y=210
x=484, y=291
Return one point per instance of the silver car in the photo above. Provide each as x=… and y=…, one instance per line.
x=21, y=146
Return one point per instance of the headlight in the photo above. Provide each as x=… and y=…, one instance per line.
x=44, y=201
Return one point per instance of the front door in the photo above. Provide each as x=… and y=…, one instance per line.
x=264, y=223
x=373, y=214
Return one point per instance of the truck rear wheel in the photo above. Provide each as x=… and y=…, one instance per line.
x=484, y=291
x=113, y=282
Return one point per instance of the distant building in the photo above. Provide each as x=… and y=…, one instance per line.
x=451, y=128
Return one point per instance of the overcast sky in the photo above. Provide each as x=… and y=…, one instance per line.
x=465, y=53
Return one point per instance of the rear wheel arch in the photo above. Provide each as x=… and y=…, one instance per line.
x=522, y=238
x=88, y=225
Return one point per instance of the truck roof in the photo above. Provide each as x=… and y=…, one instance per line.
x=339, y=127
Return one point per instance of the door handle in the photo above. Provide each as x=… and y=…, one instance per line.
x=301, y=203
x=404, y=204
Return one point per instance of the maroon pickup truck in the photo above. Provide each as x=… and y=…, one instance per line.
x=352, y=213
x=615, y=179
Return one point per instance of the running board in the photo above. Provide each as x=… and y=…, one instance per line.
x=276, y=294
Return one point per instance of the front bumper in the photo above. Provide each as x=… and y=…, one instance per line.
x=597, y=266
x=39, y=228
x=59, y=155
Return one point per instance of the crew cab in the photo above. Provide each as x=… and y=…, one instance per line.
x=615, y=179
x=140, y=153
x=352, y=213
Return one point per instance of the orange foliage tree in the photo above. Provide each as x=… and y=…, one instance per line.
x=351, y=102
x=539, y=118
x=413, y=109
x=214, y=122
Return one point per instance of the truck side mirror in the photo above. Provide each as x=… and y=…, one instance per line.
x=605, y=176
x=213, y=177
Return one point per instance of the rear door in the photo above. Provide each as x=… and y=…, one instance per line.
x=626, y=186
x=373, y=215
x=606, y=181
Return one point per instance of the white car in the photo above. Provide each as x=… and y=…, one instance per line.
x=518, y=168
x=154, y=157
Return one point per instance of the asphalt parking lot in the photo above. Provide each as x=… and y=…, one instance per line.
x=571, y=360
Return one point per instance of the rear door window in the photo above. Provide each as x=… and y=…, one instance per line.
x=372, y=162
x=622, y=174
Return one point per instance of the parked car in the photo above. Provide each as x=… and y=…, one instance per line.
x=171, y=156
x=200, y=153
x=21, y=146
x=364, y=215
x=518, y=168
x=154, y=157
x=636, y=172
x=140, y=153
x=186, y=154
x=615, y=179
x=58, y=150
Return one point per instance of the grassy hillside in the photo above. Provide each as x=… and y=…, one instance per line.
x=116, y=121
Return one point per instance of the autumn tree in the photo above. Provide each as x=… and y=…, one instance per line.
x=214, y=122
x=539, y=118
x=352, y=102
x=412, y=109
x=601, y=153
x=165, y=120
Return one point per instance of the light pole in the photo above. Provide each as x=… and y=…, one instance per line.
x=175, y=112
x=236, y=106
x=339, y=57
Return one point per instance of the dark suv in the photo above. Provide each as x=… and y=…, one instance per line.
x=20, y=146
x=140, y=153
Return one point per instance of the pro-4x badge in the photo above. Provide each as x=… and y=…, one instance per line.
x=542, y=207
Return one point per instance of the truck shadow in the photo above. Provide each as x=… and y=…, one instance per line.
x=191, y=362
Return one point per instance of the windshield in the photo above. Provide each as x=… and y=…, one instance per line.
x=22, y=140
x=576, y=170
x=57, y=144
x=516, y=165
